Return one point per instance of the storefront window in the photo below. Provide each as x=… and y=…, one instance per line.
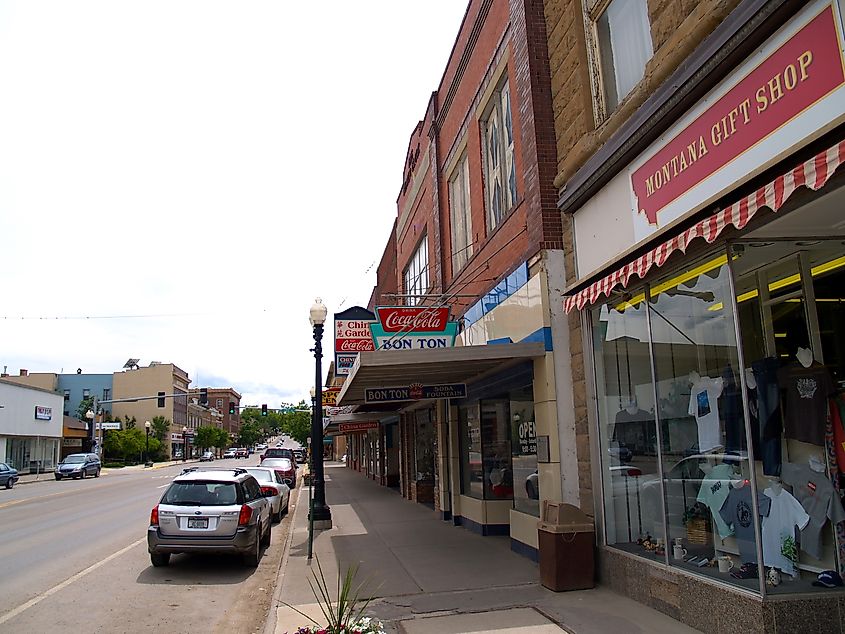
x=32, y=455
x=472, y=473
x=425, y=447
x=706, y=469
x=526, y=490
x=729, y=442
x=633, y=510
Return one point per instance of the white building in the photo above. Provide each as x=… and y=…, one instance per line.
x=30, y=426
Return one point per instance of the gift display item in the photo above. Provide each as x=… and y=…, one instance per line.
x=714, y=490
x=703, y=405
x=778, y=532
x=806, y=390
x=814, y=491
x=829, y=579
x=738, y=512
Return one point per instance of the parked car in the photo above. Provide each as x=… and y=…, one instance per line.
x=279, y=452
x=229, y=453
x=260, y=447
x=220, y=511
x=207, y=456
x=274, y=489
x=8, y=476
x=285, y=467
x=241, y=452
x=78, y=465
x=299, y=454
x=177, y=453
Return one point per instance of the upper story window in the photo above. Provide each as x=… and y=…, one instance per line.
x=622, y=42
x=106, y=394
x=416, y=274
x=219, y=404
x=459, y=210
x=499, y=167
x=86, y=393
x=67, y=395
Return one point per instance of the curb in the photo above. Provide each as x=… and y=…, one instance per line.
x=272, y=617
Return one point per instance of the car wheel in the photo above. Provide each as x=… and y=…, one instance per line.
x=160, y=559
x=97, y=473
x=58, y=477
x=277, y=517
x=285, y=510
x=10, y=483
x=254, y=557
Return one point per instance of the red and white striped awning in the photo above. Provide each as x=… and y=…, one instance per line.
x=813, y=173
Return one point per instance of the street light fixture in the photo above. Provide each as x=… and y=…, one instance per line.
x=184, y=443
x=321, y=515
x=147, y=461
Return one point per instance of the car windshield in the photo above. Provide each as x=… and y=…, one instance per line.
x=201, y=494
x=73, y=459
x=284, y=463
x=262, y=475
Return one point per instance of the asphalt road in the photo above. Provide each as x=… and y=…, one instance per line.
x=73, y=554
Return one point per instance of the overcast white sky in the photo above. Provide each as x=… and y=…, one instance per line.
x=180, y=179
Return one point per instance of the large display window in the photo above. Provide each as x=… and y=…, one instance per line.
x=720, y=415
x=499, y=449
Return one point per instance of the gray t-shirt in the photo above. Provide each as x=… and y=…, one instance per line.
x=820, y=500
x=739, y=513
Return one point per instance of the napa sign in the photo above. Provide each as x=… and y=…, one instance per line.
x=413, y=328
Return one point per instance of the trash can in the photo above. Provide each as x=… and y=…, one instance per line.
x=566, y=545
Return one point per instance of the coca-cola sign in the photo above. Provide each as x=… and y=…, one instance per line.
x=354, y=345
x=413, y=318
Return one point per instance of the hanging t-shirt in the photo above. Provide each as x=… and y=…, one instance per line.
x=819, y=499
x=704, y=405
x=785, y=513
x=715, y=488
x=806, y=395
x=738, y=512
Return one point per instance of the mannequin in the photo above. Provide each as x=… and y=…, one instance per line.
x=750, y=379
x=805, y=357
x=775, y=485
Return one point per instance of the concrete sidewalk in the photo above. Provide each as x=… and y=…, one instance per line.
x=430, y=576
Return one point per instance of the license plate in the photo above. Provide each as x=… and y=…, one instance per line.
x=197, y=522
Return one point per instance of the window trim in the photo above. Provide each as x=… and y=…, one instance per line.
x=493, y=106
x=415, y=290
x=460, y=171
x=592, y=14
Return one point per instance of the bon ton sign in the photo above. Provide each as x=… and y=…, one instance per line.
x=413, y=328
x=351, y=336
x=788, y=92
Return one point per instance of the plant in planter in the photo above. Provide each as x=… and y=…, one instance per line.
x=346, y=613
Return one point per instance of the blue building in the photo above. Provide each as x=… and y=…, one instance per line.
x=76, y=387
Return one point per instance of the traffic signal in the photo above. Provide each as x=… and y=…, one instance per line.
x=264, y=409
x=231, y=407
x=203, y=396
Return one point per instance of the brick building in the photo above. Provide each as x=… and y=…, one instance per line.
x=220, y=398
x=478, y=231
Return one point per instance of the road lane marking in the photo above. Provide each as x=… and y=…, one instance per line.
x=162, y=486
x=67, y=582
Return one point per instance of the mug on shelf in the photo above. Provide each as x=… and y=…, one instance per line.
x=725, y=563
x=678, y=551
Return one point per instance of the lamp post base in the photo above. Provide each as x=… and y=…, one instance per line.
x=321, y=516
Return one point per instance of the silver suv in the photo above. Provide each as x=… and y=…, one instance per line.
x=210, y=511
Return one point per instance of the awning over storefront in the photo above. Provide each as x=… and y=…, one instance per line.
x=387, y=368
x=813, y=174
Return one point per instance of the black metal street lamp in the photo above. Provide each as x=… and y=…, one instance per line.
x=147, y=461
x=321, y=514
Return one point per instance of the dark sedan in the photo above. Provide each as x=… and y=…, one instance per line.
x=8, y=476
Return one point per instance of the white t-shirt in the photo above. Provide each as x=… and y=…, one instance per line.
x=784, y=515
x=704, y=405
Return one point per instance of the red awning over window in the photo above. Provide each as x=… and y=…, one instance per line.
x=813, y=173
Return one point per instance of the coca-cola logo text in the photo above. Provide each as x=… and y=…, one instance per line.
x=354, y=345
x=396, y=319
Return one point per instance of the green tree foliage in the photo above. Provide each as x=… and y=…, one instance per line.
x=84, y=405
x=249, y=434
x=206, y=437
x=221, y=438
x=160, y=428
x=128, y=445
x=297, y=425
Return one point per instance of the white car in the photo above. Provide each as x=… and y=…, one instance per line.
x=229, y=453
x=274, y=489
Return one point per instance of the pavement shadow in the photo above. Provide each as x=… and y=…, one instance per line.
x=197, y=570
